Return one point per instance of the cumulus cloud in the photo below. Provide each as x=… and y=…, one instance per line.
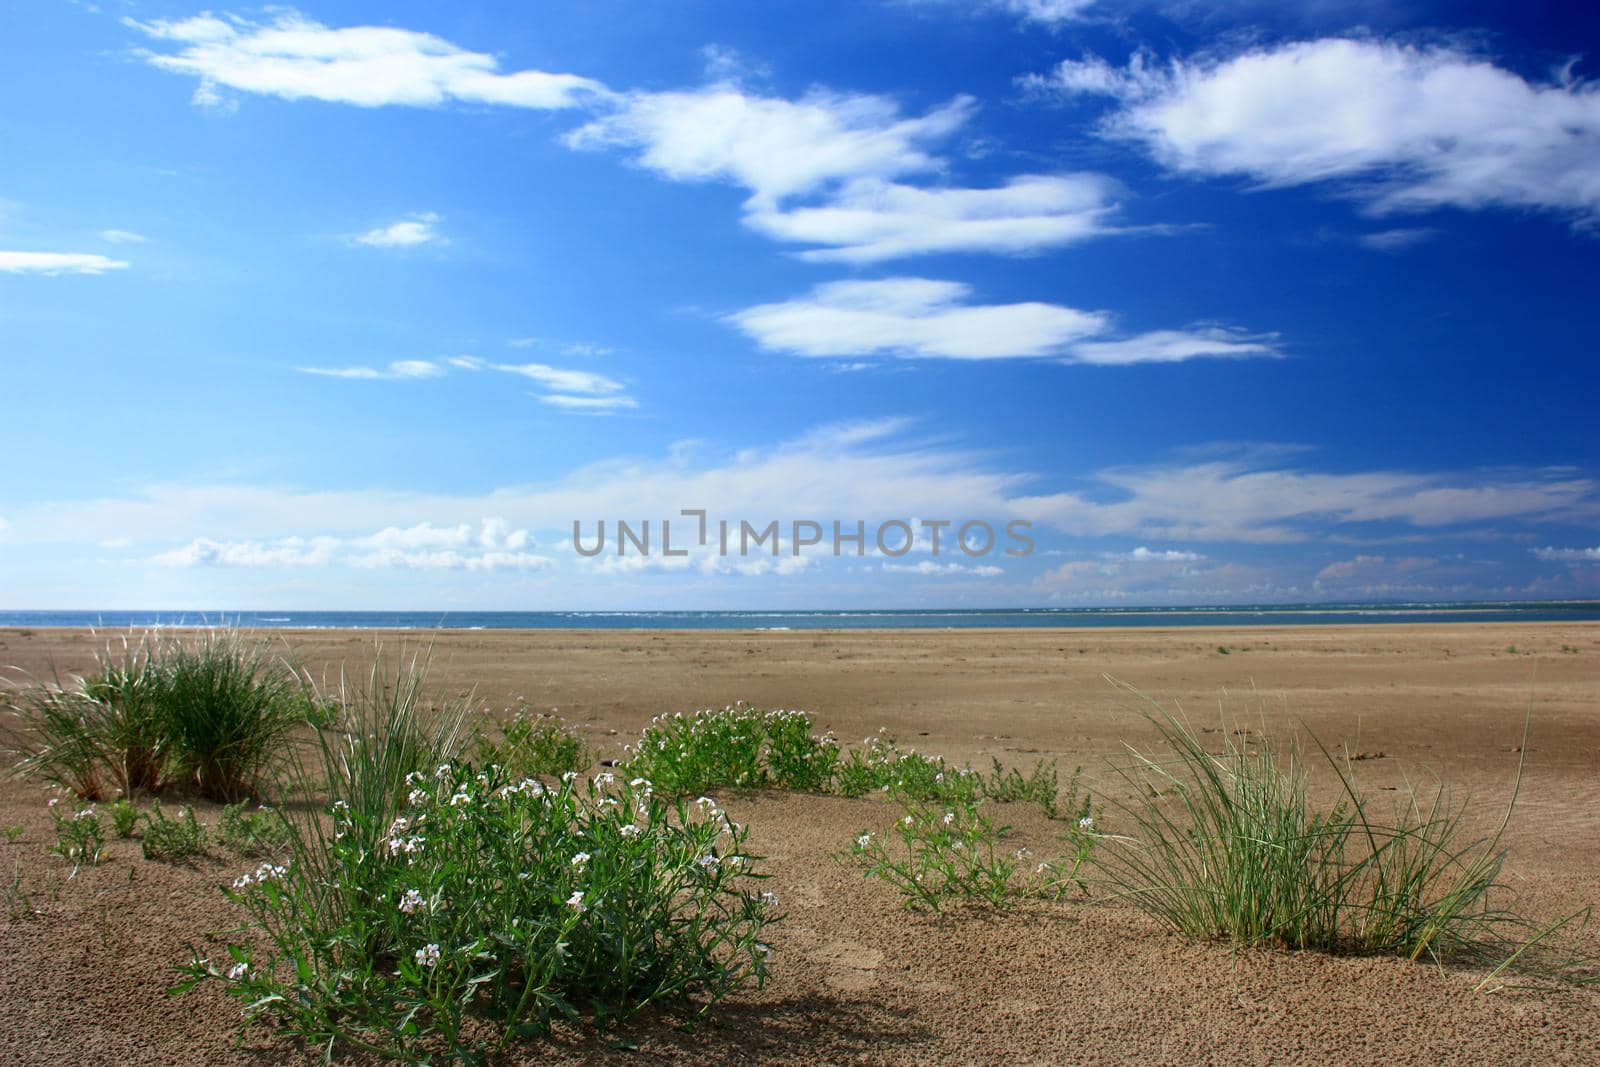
x=57, y=263
x=295, y=58
x=924, y=318
x=417, y=229
x=1401, y=127
x=825, y=170
x=1568, y=555
x=870, y=220
x=773, y=147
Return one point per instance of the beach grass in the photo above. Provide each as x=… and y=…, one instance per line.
x=1228, y=845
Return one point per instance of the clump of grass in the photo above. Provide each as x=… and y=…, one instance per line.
x=79, y=836
x=170, y=839
x=533, y=745
x=445, y=910
x=739, y=746
x=1041, y=786
x=232, y=705
x=262, y=832
x=214, y=711
x=1229, y=845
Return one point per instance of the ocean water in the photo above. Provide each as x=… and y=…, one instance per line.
x=954, y=619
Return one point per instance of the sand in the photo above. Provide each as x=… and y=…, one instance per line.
x=857, y=977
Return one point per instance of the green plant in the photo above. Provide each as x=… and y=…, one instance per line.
x=124, y=817
x=1229, y=845
x=60, y=738
x=14, y=833
x=79, y=836
x=490, y=908
x=533, y=745
x=263, y=832
x=739, y=746
x=935, y=854
x=879, y=765
x=1039, y=786
x=129, y=685
x=172, y=839
x=232, y=706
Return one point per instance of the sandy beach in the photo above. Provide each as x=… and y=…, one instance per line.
x=857, y=977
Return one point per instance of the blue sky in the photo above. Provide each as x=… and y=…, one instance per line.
x=362, y=305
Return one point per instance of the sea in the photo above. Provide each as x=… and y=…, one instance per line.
x=908, y=619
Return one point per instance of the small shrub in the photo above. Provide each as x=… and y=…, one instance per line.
x=172, y=839
x=124, y=817
x=262, y=832
x=936, y=854
x=534, y=745
x=739, y=746
x=13, y=833
x=491, y=908
x=79, y=836
x=128, y=686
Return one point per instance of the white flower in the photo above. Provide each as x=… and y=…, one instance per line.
x=427, y=955
x=580, y=859
x=1086, y=823
x=630, y=830
x=412, y=901
x=907, y=820
x=238, y=971
x=461, y=797
x=949, y=817
x=567, y=776
x=416, y=797
x=637, y=782
x=708, y=860
x=864, y=840
x=706, y=802
x=763, y=949
x=53, y=802
x=604, y=778
x=575, y=901
x=442, y=772
x=769, y=899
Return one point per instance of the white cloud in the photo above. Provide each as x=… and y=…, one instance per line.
x=57, y=263
x=1397, y=240
x=1146, y=555
x=921, y=317
x=1402, y=127
x=930, y=569
x=870, y=220
x=1049, y=13
x=417, y=229
x=123, y=237
x=1175, y=346
x=591, y=405
x=369, y=66
x=493, y=545
x=1568, y=555
x=399, y=370
x=775, y=148
x=1249, y=502
x=914, y=317
x=870, y=471
x=570, y=381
